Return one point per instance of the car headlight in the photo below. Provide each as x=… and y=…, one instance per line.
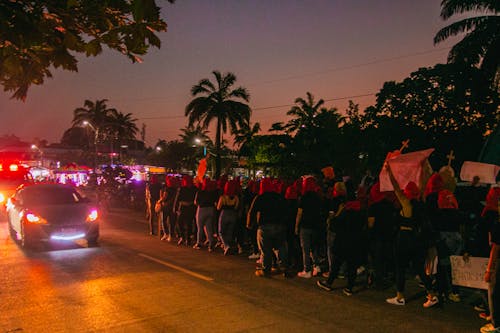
x=93, y=215
x=33, y=218
x=2, y=198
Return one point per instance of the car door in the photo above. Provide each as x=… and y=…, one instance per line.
x=15, y=210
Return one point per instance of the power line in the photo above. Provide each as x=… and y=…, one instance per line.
x=316, y=73
x=326, y=100
x=268, y=107
x=374, y=62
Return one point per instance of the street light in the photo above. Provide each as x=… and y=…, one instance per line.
x=35, y=147
x=198, y=141
x=96, y=134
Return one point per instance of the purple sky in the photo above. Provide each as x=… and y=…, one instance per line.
x=279, y=50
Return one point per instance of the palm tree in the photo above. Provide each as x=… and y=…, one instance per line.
x=219, y=103
x=244, y=137
x=304, y=114
x=97, y=115
x=481, y=44
x=123, y=126
x=192, y=135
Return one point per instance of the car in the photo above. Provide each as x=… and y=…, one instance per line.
x=49, y=212
x=11, y=176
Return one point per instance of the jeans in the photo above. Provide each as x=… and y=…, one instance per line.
x=204, y=223
x=269, y=237
x=308, y=242
x=450, y=243
x=227, y=224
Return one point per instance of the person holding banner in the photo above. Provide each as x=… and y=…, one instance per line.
x=492, y=216
x=411, y=239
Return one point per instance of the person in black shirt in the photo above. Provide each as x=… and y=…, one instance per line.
x=169, y=218
x=309, y=225
x=269, y=209
x=153, y=194
x=185, y=209
x=382, y=230
x=205, y=200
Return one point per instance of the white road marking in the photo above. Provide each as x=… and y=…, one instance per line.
x=178, y=268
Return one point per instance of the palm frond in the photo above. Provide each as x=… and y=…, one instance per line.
x=464, y=25
x=453, y=7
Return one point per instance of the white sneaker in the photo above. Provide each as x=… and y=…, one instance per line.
x=316, y=271
x=304, y=274
x=254, y=256
x=396, y=301
x=431, y=301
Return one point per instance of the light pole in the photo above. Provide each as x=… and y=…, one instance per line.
x=35, y=147
x=96, y=134
x=198, y=141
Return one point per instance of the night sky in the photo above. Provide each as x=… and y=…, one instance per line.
x=278, y=50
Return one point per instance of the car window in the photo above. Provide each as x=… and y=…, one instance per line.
x=50, y=196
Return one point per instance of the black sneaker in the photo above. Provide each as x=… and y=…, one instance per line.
x=324, y=285
x=347, y=291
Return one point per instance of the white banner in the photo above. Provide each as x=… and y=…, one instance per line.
x=469, y=273
x=486, y=172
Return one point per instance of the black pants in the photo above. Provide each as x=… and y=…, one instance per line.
x=337, y=257
x=186, y=221
x=407, y=250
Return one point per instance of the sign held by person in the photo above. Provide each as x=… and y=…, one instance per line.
x=469, y=273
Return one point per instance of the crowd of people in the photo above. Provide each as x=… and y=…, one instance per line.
x=325, y=225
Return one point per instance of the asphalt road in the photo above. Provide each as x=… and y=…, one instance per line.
x=133, y=282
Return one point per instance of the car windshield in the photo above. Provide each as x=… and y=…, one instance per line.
x=50, y=196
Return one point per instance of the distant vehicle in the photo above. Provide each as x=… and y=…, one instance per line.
x=50, y=213
x=11, y=176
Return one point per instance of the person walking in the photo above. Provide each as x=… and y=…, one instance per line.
x=308, y=226
x=152, y=195
x=228, y=206
x=268, y=208
x=491, y=216
x=411, y=241
x=205, y=201
x=185, y=209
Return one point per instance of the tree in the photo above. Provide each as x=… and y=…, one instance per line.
x=446, y=107
x=37, y=35
x=481, y=44
x=221, y=104
x=123, y=126
x=97, y=116
x=244, y=137
x=195, y=136
x=316, y=129
x=76, y=137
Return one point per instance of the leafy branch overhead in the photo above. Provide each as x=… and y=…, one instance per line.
x=38, y=35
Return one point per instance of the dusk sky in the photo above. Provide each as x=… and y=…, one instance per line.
x=278, y=50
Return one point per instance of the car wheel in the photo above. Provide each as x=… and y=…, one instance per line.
x=27, y=242
x=92, y=242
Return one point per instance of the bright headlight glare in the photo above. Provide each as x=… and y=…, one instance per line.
x=33, y=218
x=93, y=215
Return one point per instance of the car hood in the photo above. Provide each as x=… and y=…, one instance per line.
x=72, y=214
